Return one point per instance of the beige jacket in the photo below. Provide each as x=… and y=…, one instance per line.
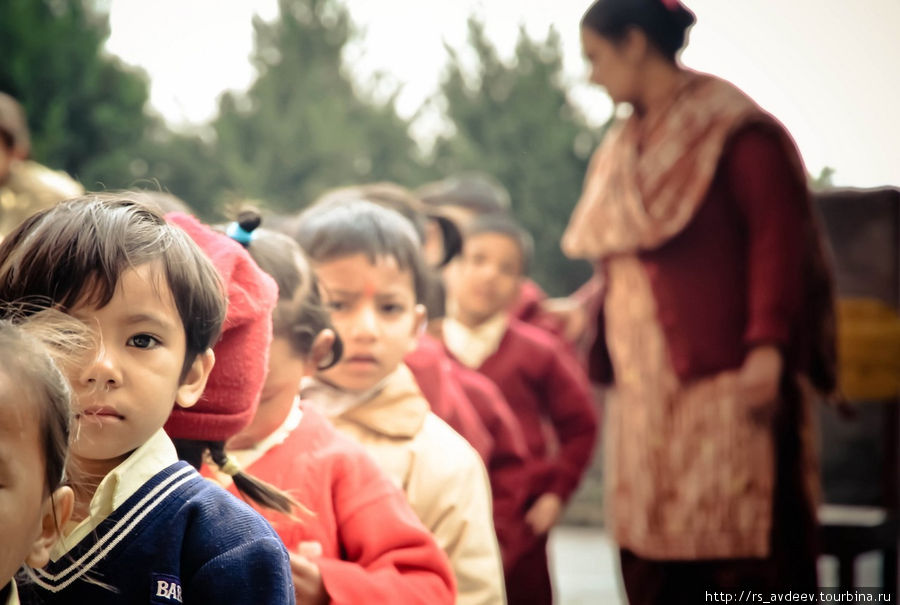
x=30, y=187
x=443, y=477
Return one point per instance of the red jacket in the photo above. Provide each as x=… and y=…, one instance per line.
x=374, y=548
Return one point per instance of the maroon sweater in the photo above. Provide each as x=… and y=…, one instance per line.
x=546, y=389
x=434, y=373
x=439, y=377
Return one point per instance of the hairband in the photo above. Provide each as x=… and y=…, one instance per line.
x=230, y=467
x=670, y=4
x=239, y=234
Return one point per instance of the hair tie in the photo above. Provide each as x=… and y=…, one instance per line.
x=230, y=468
x=672, y=5
x=239, y=234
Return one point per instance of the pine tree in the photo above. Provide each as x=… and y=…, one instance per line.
x=514, y=121
x=302, y=127
x=85, y=108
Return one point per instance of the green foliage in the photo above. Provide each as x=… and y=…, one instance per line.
x=302, y=128
x=85, y=108
x=514, y=121
x=825, y=180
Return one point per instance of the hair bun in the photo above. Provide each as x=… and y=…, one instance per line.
x=249, y=219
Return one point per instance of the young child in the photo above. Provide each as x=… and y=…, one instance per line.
x=463, y=198
x=149, y=527
x=35, y=419
x=540, y=380
x=367, y=262
x=362, y=542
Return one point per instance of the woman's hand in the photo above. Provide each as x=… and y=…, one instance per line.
x=544, y=513
x=309, y=589
x=758, y=382
x=570, y=313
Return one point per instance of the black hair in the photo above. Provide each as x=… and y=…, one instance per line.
x=664, y=23
x=75, y=252
x=299, y=315
x=507, y=226
x=263, y=493
x=478, y=192
x=344, y=227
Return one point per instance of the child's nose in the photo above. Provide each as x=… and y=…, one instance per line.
x=103, y=369
x=366, y=323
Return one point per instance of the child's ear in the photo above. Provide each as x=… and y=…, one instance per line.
x=321, y=353
x=194, y=381
x=57, y=510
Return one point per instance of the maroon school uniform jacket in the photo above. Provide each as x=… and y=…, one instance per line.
x=433, y=372
x=546, y=388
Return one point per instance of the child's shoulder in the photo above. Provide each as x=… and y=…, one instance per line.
x=178, y=527
x=444, y=450
x=526, y=335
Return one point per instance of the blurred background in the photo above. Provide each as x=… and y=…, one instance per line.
x=278, y=100
x=218, y=101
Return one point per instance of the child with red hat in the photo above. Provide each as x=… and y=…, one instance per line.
x=362, y=543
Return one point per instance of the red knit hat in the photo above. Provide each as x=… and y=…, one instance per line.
x=242, y=352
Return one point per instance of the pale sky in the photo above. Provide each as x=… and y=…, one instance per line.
x=826, y=68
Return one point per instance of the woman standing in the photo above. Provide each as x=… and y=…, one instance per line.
x=715, y=318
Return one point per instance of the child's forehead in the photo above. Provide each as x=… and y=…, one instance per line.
x=496, y=241
x=139, y=289
x=360, y=272
x=17, y=406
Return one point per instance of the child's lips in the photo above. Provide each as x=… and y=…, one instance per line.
x=100, y=413
x=361, y=360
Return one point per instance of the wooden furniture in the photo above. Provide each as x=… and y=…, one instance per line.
x=860, y=450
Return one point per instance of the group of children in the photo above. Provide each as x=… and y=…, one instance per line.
x=355, y=375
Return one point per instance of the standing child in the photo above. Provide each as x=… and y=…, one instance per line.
x=149, y=527
x=367, y=261
x=35, y=419
x=362, y=542
x=540, y=380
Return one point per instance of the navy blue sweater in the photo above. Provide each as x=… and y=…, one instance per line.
x=178, y=539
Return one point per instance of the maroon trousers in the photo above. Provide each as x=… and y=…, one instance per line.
x=528, y=582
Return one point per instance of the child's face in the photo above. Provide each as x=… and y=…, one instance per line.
x=27, y=522
x=286, y=369
x=488, y=275
x=373, y=308
x=127, y=390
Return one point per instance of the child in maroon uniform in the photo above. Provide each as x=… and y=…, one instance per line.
x=541, y=381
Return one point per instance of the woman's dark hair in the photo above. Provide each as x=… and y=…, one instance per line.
x=299, y=315
x=335, y=229
x=664, y=23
